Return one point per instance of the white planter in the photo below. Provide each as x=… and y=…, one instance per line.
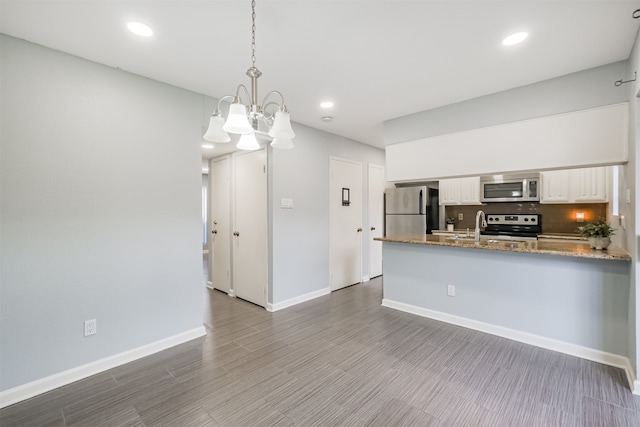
x=599, y=242
x=449, y=227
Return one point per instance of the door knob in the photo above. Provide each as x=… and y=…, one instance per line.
x=235, y=233
x=373, y=228
x=215, y=232
x=359, y=229
x=215, y=222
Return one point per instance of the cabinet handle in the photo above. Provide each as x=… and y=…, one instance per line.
x=235, y=233
x=359, y=229
x=214, y=232
x=373, y=228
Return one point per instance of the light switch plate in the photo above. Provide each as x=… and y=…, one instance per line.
x=286, y=204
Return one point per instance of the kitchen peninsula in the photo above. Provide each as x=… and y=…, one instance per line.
x=557, y=295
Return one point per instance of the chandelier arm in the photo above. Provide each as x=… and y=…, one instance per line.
x=265, y=103
x=220, y=101
x=246, y=91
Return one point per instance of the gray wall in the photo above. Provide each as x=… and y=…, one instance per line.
x=578, y=91
x=300, y=246
x=100, y=211
x=629, y=178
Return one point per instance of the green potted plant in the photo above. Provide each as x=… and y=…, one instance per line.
x=598, y=233
x=450, y=223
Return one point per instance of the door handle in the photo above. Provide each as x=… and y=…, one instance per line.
x=214, y=232
x=235, y=233
x=373, y=228
x=359, y=229
x=215, y=222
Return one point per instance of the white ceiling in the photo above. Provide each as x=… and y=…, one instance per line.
x=376, y=60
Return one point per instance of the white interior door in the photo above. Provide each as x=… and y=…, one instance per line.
x=376, y=218
x=250, y=227
x=346, y=222
x=220, y=258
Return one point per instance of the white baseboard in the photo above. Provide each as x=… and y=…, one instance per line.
x=595, y=355
x=210, y=285
x=34, y=388
x=297, y=300
x=365, y=279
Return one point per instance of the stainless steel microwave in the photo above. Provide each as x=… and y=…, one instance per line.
x=510, y=188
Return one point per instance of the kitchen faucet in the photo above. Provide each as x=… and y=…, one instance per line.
x=484, y=224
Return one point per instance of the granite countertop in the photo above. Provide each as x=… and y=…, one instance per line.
x=560, y=247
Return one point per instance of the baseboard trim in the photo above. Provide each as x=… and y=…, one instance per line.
x=210, y=285
x=365, y=279
x=297, y=300
x=43, y=385
x=594, y=355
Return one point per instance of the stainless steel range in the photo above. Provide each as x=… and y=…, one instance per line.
x=514, y=226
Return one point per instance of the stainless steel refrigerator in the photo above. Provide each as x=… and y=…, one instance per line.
x=411, y=210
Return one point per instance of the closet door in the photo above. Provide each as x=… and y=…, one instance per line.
x=249, y=237
x=221, y=224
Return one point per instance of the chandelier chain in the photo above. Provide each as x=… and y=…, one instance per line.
x=253, y=32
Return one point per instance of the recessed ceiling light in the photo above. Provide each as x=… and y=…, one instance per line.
x=207, y=145
x=140, y=29
x=514, y=38
x=327, y=104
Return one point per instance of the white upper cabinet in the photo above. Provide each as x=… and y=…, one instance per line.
x=587, y=185
x=460, y=191
x=470, y=190
x=591, y=184
x=555, y=187
x=448, y=191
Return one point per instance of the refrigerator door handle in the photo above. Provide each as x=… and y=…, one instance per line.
x=421, y=212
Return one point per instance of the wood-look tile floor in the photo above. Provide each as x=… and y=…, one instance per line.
x=339, y=360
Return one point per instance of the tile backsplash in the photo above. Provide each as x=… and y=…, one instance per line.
x=555, y=218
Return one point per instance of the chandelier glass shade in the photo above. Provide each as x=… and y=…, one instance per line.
x=248, y=141
x=215, y=132
x=245, y=117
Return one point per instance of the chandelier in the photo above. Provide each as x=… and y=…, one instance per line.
x=245, y=115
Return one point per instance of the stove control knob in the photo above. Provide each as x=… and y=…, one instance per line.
x=526, y=219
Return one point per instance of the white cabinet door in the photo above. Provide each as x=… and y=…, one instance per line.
x=250, y=265
x=469, y=190
x=556, y=186
x=590, y=184
x=460, y=191
x=449, y=191
x=585, y=185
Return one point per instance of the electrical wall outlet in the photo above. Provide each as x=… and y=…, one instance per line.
x=460, y=216
x=451, y=290
x=90, y=327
